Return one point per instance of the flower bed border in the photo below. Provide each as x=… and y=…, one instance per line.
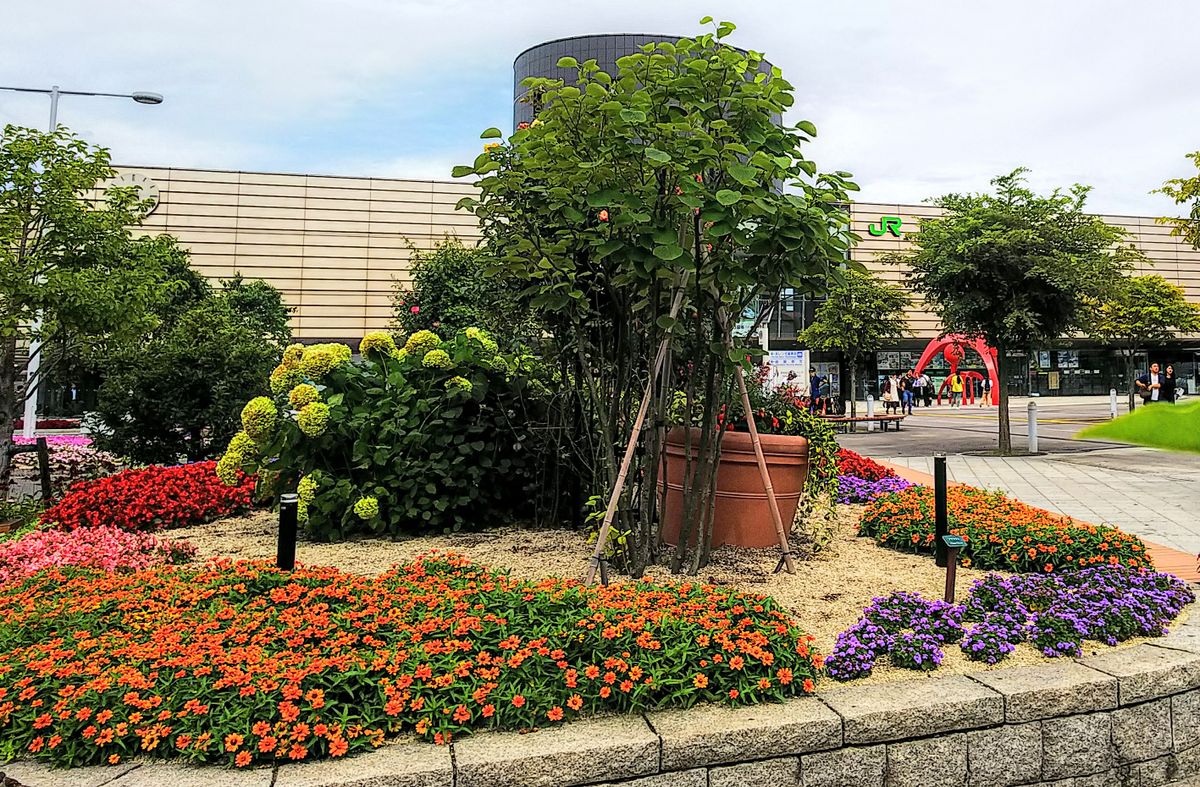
x=1127, y=715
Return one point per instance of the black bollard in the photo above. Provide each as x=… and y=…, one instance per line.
x=285, y=557
x=940, y=519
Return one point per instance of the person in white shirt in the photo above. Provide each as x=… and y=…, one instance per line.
x=1149, y=385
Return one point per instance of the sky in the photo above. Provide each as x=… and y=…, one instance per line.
x=915, y=99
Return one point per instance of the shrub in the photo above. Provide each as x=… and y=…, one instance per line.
x=267, y=665
x=438, y=433
x=1001, y=533
x=859, y=466
x=151, y=498
x=106, y=548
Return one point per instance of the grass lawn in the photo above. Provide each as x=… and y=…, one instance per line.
x=1174, y=427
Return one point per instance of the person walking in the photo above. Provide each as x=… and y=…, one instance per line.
x=890, y=395
x=907, y=393
x=927, y=389
x=1168, y=385
x=918, y=387
x=814, y=391
x=985, y=400
x=1149, y=385
x=956, y=389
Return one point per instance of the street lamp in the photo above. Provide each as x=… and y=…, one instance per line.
x=35, y=360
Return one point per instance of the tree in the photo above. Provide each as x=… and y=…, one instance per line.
x=66, y=255
x=1139, y=311
x=1013, y=267
x=656, y=203
x=861, y=315
x=1184, y=190
x=177, y=391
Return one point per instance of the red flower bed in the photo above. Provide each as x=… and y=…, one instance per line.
x=859, y=466
x=241, y=663
x=49, y=423
x=151, y=498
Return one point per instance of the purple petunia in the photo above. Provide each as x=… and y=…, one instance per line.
x=852, y=489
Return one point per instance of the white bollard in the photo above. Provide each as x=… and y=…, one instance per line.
x=870, y=412
x=1033, y=436
x=1112, y=402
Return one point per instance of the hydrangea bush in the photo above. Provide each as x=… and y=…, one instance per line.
x=433, y=434
x=1054, y=613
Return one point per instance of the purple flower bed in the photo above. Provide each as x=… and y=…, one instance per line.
x=852, y=489
x=1055, y=613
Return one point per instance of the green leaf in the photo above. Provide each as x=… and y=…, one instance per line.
x=807, y=127
x=661, y=156
x=668, y=252
x=666, y=322
x=633, y=116
x=728, y=197
x=745, y=174
x=462, y=171
x=567, y=62
x=706, y=20
x=491, y=133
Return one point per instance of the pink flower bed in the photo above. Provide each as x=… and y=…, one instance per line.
x=56, y=439
x=108, y=548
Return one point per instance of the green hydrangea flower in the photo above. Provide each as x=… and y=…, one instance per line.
x=377, y=341
x=259, y=417
x=306, y=490
x=461, y=383
x=284, y=378
x=319, y=359
x=400, y=353
x=303, y=394
x=313, y=418
x=366, y=508
x=438, y=359
x=422, y=342
x=241, y=449
x=293, y=354
x=483, y=339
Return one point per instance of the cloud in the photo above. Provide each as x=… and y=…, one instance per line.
x=915, y=99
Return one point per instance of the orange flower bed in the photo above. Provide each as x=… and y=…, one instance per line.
x=242, y=663
x=1001, y=533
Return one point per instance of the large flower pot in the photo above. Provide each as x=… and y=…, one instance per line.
x=742, y=516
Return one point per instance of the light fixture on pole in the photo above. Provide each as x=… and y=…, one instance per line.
x=35, y=346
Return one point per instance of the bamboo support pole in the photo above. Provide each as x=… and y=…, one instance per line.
x=597, y=562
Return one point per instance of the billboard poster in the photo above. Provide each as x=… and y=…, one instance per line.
x=786, y=362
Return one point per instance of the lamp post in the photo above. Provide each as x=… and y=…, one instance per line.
x=35, y=346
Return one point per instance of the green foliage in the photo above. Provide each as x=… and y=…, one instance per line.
x=666, y=180
x=176, y=391
x=1173, y=427
x=436, y=447
x=1014, y=267
x=452, y=289
x=1184, y=191
x=861, y=315
x=65, y=255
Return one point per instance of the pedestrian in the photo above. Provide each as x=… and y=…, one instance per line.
x=927, y=389
x=814, y=391
x=907, y=392
x=1149, y=385
x=986, y=399
x=891, y=394
x=1168, y=385
x=956, y=389
x=918, y=387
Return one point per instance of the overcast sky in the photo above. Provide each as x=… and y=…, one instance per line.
x=916, y=99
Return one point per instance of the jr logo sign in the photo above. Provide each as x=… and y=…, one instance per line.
x=887, y=224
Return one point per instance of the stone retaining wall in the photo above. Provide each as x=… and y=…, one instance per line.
x=1128, y=717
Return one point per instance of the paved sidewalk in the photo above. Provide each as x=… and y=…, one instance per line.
x=1154, y=494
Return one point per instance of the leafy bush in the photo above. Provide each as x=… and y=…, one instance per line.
x=151, y=498
x=452, y=290
x=106, y=548
x=1001, y=533
x=859, y=466
x=268, y=665
x=434, y=436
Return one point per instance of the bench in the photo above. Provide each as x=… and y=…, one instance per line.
x=846, y=424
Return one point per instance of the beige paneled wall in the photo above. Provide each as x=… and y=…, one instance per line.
x=334, y=246
x=1170, y=257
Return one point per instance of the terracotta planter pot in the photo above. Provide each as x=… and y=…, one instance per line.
x=742, y=516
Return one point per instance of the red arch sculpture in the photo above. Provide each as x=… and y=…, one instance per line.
x=952, y=347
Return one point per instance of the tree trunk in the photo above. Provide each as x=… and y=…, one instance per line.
x=853, y=387
x=1129, y=378
x=8, y=408
x=1005, y=432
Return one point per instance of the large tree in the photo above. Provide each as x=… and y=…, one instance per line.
x=1139, y=311
x=862, y=315
x=1014, y=267
x=1185, y=191
x=668, y=183
x=66, y=255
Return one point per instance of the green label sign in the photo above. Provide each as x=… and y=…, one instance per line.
x=954, y=542
x=886, y=225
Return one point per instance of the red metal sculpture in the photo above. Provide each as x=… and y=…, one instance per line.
x=952, y=346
